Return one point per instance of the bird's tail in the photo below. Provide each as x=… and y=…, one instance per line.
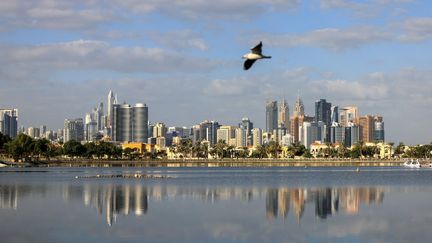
x=266, y=56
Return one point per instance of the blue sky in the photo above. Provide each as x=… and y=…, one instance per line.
x=58, y=59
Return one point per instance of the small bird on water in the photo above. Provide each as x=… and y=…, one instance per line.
x=255, y=54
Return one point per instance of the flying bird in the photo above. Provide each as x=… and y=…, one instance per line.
x=254, y=55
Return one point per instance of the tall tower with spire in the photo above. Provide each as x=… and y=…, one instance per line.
x=112, y=100
x=283, y=115
x=299, y=107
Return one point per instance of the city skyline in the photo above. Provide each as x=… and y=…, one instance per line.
x=60, y=58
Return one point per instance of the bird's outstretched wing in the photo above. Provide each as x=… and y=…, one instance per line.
x=257, y=49
x=248, y=63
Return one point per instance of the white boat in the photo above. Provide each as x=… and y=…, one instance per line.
x=2, y=165
x=412, y=163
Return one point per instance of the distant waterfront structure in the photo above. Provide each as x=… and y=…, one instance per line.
x=130, y=123
x=9, y=122
x=271, y=116
x=73, y=130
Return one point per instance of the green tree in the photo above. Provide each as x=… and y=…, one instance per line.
x=4, y=139
x=42, y=148
x=185, y=147
x=74, y=148
x=274, y=149
x=21, y=147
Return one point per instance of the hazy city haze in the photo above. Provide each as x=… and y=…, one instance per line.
x=59, y=59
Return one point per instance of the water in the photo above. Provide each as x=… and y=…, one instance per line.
x=215, y=205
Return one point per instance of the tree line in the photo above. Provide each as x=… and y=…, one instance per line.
x=25, y=148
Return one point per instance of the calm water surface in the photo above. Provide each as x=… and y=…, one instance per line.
x=215, y=205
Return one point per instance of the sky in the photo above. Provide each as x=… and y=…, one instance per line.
x=60, y=58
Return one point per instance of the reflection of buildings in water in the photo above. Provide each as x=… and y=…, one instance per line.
x=116, y=200
x=9, y=196
x=126, y=199
x=327, y=200
x=323, y=203
x=298, y=199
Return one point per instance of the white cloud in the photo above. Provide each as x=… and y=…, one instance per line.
x=369, y=8
x=332, y=38
x=180, y=39
x=90, y=54
x=417, y=29
x=83, y=15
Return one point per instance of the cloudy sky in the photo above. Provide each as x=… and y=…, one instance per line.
x=59, y=58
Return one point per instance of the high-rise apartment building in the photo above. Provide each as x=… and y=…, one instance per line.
x=296, y=122
x=73, y=130
x=334, y=114
x=308, y=133
x=348, y=115
x=208, y=130
x=379, y=129
x=9, y=122
x=247, y=125
x=226, y=133
x=256, y=137
x=271, y=116
x=367, y=130
x=240, y=137
x=159, y=130
x=352, y=134
x=130, y=123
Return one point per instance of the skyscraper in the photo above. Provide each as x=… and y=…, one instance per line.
x=284, y=116
x=9, y=122
x=349, y=114
x=271, y=116
x=208, y=130
x=256, y=137
x=323, y=111
x=140, y=123
x=247, y=125
x=308, y=133
x=379, y=129
x=367, y=128
x=334, y=114
x=323, y=115
x=112, y=100
x=130, y=124
x=299, y=108
x=73, y=130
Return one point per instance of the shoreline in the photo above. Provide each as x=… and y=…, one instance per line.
x=213, y=163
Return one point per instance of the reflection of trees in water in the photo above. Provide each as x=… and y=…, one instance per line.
x=133, y=199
